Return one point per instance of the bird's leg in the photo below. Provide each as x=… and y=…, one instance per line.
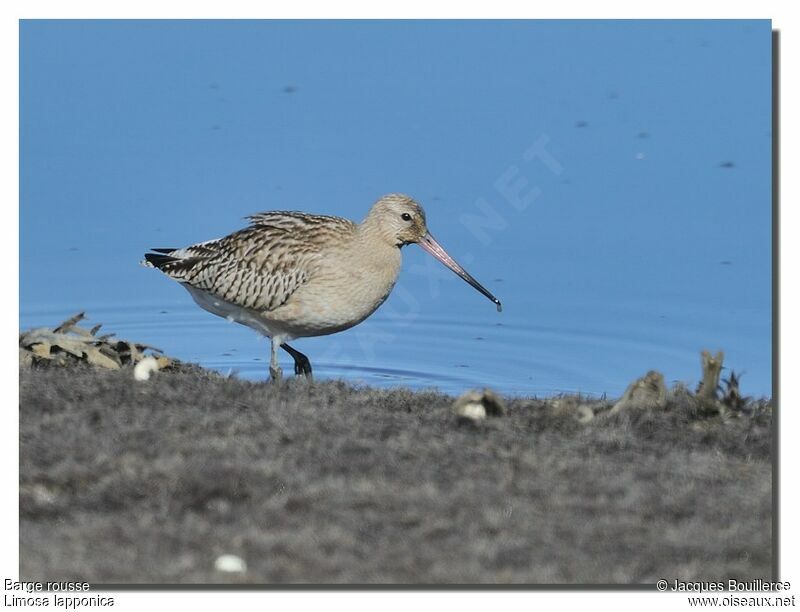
x=301, y=363
x=274, y=369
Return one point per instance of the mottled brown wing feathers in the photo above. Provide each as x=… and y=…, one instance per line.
x=260, y=266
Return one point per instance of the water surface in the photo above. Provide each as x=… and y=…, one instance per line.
x=608, y=181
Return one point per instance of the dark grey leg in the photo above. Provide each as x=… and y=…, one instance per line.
x=301, y=363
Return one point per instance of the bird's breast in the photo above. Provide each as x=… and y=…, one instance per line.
x=344, y=291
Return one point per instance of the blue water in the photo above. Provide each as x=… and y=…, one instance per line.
x=609, y=181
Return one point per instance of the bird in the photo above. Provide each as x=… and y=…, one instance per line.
x=291, y=275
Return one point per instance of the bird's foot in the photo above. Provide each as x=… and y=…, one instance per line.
x=275, y=373
x=302, y=367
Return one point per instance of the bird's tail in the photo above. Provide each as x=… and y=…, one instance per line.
x=158, y=258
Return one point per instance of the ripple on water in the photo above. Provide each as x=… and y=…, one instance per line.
x=548, y=353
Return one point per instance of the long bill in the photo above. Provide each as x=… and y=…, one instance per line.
x=435, y=249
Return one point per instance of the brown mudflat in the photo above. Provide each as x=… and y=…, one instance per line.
x=151, y=482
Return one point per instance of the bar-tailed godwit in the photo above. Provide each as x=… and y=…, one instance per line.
x=294, y=275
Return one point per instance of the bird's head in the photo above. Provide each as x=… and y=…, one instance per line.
x=399, y=220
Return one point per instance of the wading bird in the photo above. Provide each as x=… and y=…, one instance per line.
x=294, y=275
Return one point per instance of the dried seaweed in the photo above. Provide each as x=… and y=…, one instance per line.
x=69, y=344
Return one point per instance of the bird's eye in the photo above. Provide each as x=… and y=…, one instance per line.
x=405, y=217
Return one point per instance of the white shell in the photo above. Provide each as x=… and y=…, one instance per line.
x=230, y=564
x=144, y=368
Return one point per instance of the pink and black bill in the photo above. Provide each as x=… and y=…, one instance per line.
x=434, y=248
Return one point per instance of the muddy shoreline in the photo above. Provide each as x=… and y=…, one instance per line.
x=124, y=481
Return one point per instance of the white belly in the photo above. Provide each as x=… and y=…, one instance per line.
x=236, y=314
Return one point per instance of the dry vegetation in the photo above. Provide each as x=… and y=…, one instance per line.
x=153, y=482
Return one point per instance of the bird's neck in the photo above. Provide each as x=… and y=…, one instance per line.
x=378, y=250
x=371, y=232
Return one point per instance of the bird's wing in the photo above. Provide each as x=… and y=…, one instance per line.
x=260, y=266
